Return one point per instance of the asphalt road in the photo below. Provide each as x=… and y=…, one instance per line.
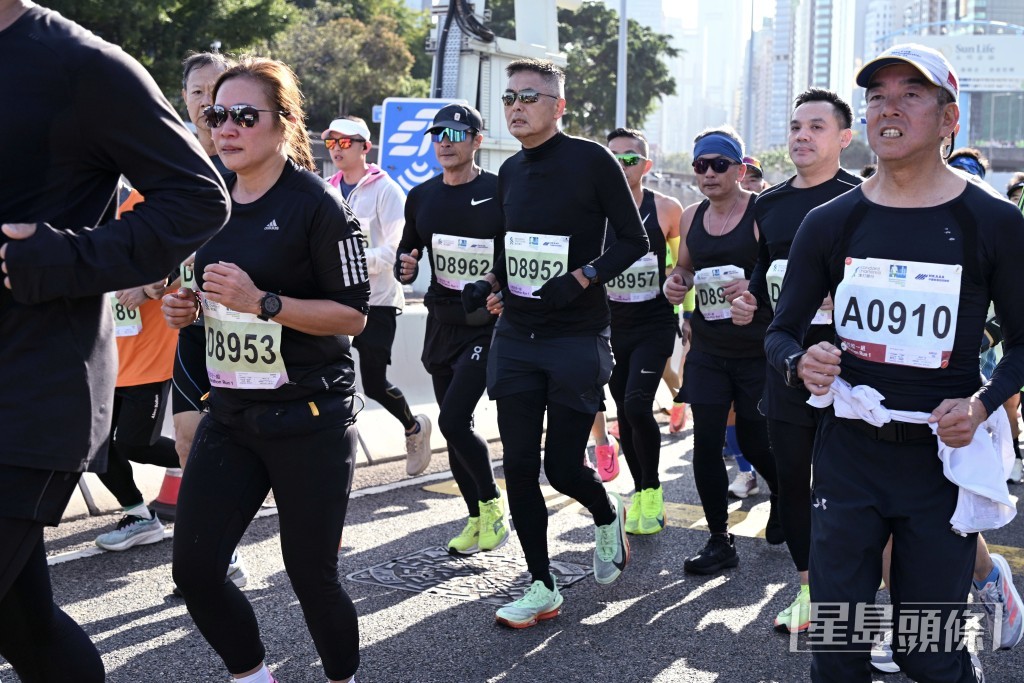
x=427, y=618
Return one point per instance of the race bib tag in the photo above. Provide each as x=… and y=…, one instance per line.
x=242, y=351
x=532, y=260
x=710, y=285
x=126, y=323
x=188, y=273
x=776, y=273
x=898, y=312
x=460, y=261
x=639, y=282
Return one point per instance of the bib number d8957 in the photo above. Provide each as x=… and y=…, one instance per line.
x=532, y=260
x=710, y=284
x=898, y=312
x=242, y=351
x=639, y=282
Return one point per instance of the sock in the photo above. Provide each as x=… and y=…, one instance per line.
x=992, y=577
x=139, y=510
x=415, y=431
x=732, y=444
x=1016, y=449
x=742, y=463
x=261, y=676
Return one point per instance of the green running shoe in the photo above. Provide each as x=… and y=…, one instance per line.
x=611, y=547
x=796, y=617
x=633, y=513
x=493, y=529
x=538, y=604
x=467, y=542
x=652, y=511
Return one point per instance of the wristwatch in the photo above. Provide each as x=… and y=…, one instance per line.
x=270, y=305
x=590, y=272
x=791, y=369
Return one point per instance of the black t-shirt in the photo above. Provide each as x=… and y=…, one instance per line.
x=925, y=235
x=738, y=247
x=77, y=114
x=298, y=240
x=651, y=314
x=572, y=187
x=779, y=211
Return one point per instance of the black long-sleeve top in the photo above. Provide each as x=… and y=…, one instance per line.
x=79, y=114
x=574, y=187
x=928, y=235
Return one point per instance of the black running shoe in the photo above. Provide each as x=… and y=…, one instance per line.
x=718, y=554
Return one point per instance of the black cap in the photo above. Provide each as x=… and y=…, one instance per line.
x=457, y=117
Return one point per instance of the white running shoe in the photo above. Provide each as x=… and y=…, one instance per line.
x=745, y=484
x=132, y=531
x=1016, y=472
x=417, y=448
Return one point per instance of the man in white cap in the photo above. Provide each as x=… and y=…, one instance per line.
x=379, y=204
x=912, y=258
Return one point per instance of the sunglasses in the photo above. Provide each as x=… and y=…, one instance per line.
x=453, y=135
x=630, y=158
x=527, y=96
x=341, y=143
x=718, y=165
x=243, y=115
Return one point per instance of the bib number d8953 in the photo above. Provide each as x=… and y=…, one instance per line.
x=242, y=351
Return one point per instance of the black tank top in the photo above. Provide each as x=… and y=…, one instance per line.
x=739, y=248
x=656, y=313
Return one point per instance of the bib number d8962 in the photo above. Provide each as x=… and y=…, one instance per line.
x=459, y=261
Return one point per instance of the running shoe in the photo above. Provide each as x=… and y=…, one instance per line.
x=881, y=654
x=131, y=531
x=652, y=511
x=589, y=458
x=745, y=484
x=417, y=447
x=979, y=675
x=633, y=513
x=608, y=460
x=468, y=540
x=611, y=547
x=493, y=529
x=538, y=604
x=1016, y=472
x=236, y=574
x=796, y=617
x=677, y=418
x=718, y=554
x=613, y=428
x=1001, y=597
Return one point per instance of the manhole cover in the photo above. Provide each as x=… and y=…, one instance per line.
x=488, y=577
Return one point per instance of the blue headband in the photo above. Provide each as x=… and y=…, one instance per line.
x=970, y=165
x=716, y=143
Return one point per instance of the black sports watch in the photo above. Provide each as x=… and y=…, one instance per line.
x=590, y=272
x=792, y=379
x=270, y=305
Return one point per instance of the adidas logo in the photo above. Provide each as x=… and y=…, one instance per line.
x=272, y=225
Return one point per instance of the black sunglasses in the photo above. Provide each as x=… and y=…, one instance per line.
x=243, y=115
x=526, y=96
x=630, y=158
x=718, y=165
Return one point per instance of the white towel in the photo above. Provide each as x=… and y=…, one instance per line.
x=980, y=468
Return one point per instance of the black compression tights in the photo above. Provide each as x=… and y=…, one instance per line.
x=373, y=374
x=792, y=445
x=520, y=421
x=708, y=467
x=633, y=390
x=458, y=390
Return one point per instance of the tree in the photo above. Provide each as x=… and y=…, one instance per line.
x=857, y=154
x=589, y=37
x=776, y=165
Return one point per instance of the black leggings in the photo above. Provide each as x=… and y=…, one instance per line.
x=41, y=642
x=521, y=423
x=709, y=420
x=792, y=446
x=374, y=347
x=230, y=470
x=137, y=418
x=633, y=384
x=458, y=390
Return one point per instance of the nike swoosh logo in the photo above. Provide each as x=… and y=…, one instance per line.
x=474, y=202
x=644, y=221
x=647, y=372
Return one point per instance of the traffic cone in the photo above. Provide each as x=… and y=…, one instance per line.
x=166, y=501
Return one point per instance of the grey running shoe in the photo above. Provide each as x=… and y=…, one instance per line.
x=611, y=551
x=537, y=604
x=881, y=655
x=132, y=531
x=1000, y=599
x=236, y=571
x=417, y=448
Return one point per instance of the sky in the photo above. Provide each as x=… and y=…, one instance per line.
x=683, y=9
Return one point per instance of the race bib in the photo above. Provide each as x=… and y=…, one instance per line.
x=774, y=276
x=639, y=282
x=898, y=312
x=242, y=351
x=459, y=261
x=532, y=260
x=710, y=285
x=188, y=274
x=126, y=323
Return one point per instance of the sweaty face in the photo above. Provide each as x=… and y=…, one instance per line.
x=815, y=135
x=533, y=123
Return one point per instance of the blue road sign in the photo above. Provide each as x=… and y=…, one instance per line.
x=405, y=152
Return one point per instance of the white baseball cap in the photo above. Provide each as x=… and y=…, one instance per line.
x=930, y=62
x=348, y=128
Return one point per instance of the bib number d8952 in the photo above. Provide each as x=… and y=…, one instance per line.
x=533, y=259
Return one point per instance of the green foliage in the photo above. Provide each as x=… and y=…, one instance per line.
x=589, y=36
x=857, y=155
x=776, y=164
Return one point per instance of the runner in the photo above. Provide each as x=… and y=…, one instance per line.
x=924, y=251
x=379, y=204
x=454, y=216
x=283, y=285
x=725, y=364
x=819, y=130
x=644, y=333
x=753, y=180
x=557, y=195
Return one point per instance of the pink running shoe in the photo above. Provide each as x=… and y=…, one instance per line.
x=677, y=418
x=613, y=429
x=608, y=460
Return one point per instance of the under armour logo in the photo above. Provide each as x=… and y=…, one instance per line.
x=820, y=503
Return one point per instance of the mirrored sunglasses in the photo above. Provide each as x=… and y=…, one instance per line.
x=453, y=135
x=630, y=158
x=242, y=115
x=526, y=96
x=341, y=143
